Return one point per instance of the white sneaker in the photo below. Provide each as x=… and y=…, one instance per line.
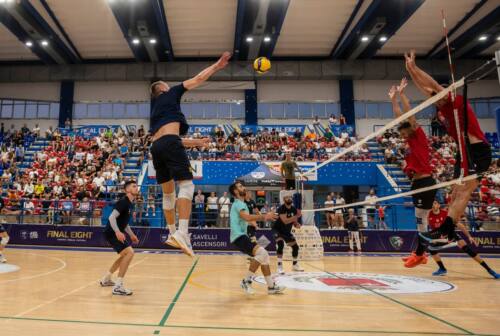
x=3, y=259
x=280, y=269
x=297, y=268
x=184, y=241
x=172, y=242
x=120, y=290
x=247, y=287
x=107, y=283
x=276, y=289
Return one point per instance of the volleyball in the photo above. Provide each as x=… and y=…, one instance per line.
x=262, y=65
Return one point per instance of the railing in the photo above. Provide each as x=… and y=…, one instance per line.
x=149, y=213
x=315, y=155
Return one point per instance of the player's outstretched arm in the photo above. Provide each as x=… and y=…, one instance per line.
x=424, y=82
x=207, y=72
x=405, y=101
x=394, y=100
x=132, y=235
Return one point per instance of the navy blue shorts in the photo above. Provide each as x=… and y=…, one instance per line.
x=245, y=245
x=283, y=232
x=117, y=245
x=170, y=159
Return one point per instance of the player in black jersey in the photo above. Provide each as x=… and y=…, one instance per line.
x=170, y=160
x=252, y=210
x=282, y=229
x=115, y=235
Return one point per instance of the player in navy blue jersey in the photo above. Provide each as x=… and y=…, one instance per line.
x=115, y=235
x=170, y=160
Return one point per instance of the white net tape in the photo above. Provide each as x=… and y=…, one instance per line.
x=390, y=125
x=386, y=198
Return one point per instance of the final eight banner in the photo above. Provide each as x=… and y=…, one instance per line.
x=218, y=239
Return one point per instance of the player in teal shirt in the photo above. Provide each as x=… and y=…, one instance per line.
x=239, y=218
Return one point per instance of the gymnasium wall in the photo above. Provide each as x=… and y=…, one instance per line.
x=30, y=91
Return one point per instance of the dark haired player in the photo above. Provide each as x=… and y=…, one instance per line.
x=282, y=229
x=239, y=218
x=170, y=160
x=115, y=235
x=252, y=210
x=417, y=160
x=472, y=140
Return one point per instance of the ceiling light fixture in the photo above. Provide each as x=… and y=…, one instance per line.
x=29, y=43
x=483, y=37
x=44, y=43
x=382, y=38
x=136, y=41
x=365, y=39
x=249, y=39
x=152, y=41
x=267, y=39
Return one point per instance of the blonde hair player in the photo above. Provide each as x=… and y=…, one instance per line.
x=239, y=218
x=170, y=160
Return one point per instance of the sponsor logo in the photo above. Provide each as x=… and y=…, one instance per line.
x=359, y=283
x=258, y=175
x=396, y=242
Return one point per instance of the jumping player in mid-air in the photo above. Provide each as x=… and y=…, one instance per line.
x=473, y=141
x=239, y=218
x=170, y=160
x=115, y=235
x=282, y=229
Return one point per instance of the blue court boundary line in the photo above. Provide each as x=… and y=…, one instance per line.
x=216, y=252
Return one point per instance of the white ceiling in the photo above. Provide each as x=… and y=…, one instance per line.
x=13, y=49
x=425, y=27
x=310, y=29
x=92, y=27
x=201, y=28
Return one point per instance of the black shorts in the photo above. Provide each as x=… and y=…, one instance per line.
x=290, y=184
x=170, y=159
x=2, y=229
x=245, y=245
x=117, y=245
x=481, y=157
x=424, y=199
x=445, y=232
x=283, y=232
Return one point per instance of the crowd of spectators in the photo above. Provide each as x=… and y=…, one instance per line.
x=61, y=179
x=273, y=144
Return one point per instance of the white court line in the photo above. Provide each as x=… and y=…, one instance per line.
x=63, y=265
x=93, y=282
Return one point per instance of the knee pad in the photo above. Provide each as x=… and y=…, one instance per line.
x=262, y=256
x=169, y=201
x=295, y=251
x=186, y=190
x=4, y=240
x=469, y=251
x=280, y=246
x=422, y=219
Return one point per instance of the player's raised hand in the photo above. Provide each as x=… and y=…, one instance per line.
x=392, y=92
x=134, y=239
x=402, y=86
x=223, y=60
